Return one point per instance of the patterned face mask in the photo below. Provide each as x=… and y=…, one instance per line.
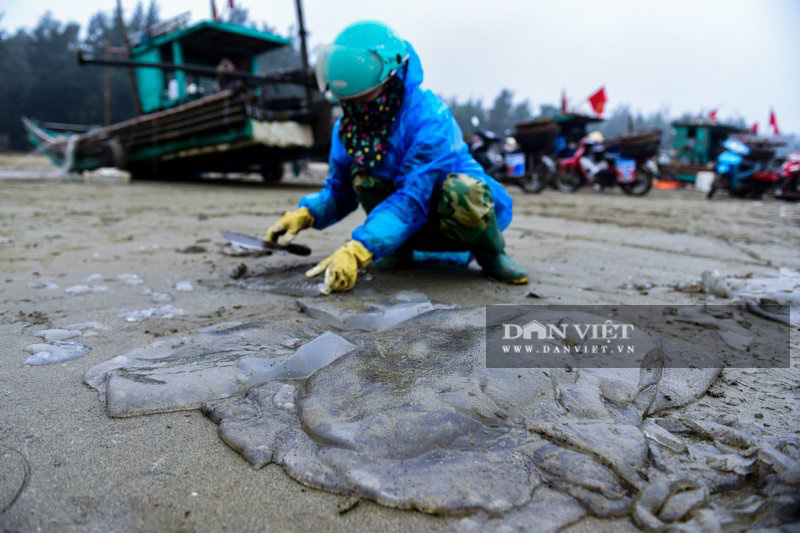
x=366, y=126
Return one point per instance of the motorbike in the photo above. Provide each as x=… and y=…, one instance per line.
x=541, y=171
x=743, y=171
x=503, y=159
x=595, y=165
x=486, y=148
x=789, y=185
x=535, y=168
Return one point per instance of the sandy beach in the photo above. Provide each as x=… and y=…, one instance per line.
x=66, y=466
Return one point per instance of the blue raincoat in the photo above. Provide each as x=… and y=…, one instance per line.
x=425, y=146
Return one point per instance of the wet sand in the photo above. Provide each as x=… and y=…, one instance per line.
x=80, y=470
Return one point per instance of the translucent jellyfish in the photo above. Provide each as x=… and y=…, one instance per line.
x=160, y=297
x=184, y=286
x=42, y=285
x=411, y=417
x=55, y=352
x=374, y=314
x=165, y=311
x=130, y=279
x=86, y=289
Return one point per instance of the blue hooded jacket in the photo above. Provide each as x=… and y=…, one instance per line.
x=425, y=146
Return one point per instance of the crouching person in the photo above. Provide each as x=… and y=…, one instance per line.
x=397, y=151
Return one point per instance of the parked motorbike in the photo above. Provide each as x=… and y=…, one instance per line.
x=486, y=148
x=500, y=157
x=789, y=185
x=535, y=140
x=744, y=171
x=595, y=165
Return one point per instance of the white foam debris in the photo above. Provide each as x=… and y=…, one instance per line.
x=165, y=311
x=55, y=352
x=6, y=240
x=782, y=288
x=715, y=284
x=130, y=279
x=97, y=277
x=86, y=289
x=42, y=285
x=107, y=175
x=184, y=286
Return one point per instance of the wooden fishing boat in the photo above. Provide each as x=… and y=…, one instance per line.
x=206, y=106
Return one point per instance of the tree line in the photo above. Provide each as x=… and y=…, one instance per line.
x=42, y=78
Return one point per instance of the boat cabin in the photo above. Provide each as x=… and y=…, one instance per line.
x=699, y=142
x=212, y=44
x=207, y=107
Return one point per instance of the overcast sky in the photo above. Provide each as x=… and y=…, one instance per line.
x=740, y=56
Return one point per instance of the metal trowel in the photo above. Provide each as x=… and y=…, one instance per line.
x=254, y=243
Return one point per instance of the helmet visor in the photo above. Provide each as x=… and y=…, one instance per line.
x=347, y=72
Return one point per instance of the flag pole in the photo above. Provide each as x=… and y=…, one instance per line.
x=132, y=73
x=301, y=24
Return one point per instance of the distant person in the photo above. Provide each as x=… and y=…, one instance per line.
x=398, y=152
x=593, y=160
x=225, y=81
x=172, y=88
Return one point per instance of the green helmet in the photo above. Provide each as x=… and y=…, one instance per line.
x=361, y=58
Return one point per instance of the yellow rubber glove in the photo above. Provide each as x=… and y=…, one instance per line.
x=341, y=268
x=289, y=225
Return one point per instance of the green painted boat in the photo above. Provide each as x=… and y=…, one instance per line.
x=206, y=106
x=697, y=143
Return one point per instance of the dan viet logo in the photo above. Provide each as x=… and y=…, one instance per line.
x=639, y=336
x=568, y=338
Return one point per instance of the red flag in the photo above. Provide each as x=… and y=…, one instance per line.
x=713, y=115
x=774, y=122
x=213, y=10
x=563, y=101
x=754, y=128
x=598, y=100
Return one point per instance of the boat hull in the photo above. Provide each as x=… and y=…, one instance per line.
x=223, y=132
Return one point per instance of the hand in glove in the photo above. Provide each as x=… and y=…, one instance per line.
x=289, y=225
x=341, y=268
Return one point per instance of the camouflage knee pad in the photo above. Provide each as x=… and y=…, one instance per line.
x=465, y=206
x=461, y=210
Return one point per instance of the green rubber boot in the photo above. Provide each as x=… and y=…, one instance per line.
x=496, y=264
